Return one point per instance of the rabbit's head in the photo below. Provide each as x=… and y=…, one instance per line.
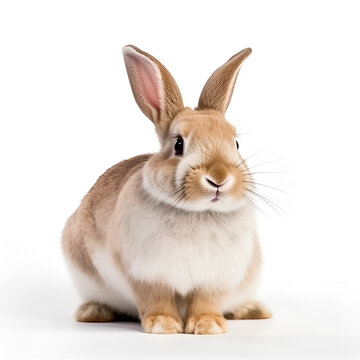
x=198, y=167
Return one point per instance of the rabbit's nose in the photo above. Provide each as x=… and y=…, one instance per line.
x=217, y=174
x=215, y=184
x=212, y=183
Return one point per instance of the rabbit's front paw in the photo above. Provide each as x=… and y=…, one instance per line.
x=163, y=324
x=206, y=324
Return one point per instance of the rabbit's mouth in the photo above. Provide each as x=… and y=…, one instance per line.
x=217, y=196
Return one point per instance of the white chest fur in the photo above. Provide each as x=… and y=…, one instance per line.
x=186, y=250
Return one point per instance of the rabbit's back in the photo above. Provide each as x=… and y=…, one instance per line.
x=102, y=196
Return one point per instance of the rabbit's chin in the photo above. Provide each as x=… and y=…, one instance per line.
x=223, y=204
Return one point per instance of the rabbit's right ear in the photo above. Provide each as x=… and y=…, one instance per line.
x=154, y=89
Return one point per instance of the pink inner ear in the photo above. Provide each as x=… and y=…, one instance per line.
x=148, y=82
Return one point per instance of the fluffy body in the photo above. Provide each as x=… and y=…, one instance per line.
x=168, y=237
x=145, y=240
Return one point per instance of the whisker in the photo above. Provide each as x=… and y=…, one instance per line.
x=268, y=186
x=174, y=192
x=188, y=164
x=249, y=157
x=264, y=163
x=265, y=198
x=253, y=204
x=268, y=172
x=267, y=201
x=237, y=124
x=181, y=197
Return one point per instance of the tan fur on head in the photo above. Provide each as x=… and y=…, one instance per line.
x=210, y=155
x=210, y=168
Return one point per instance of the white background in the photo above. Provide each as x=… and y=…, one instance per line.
x=67, y=114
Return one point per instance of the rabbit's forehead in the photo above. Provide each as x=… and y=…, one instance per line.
x=199, y=124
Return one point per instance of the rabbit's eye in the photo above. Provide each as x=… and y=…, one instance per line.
x=237, y=145
x=179, y=146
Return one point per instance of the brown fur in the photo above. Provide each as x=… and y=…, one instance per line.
x=211, y=133
x=172, y=99
x=95, y=312
x=84, y=224
x=250, y=311
x=157, y=308
x=119, y=262
x=218, y=90
x=211, y=136
x=107, y=186
x=162, y=324
x=214, y=140
x=75, y=249
x=203, y=315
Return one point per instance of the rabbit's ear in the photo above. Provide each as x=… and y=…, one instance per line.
x=218, y=90
x=154, y=89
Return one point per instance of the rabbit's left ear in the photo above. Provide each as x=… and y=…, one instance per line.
x=154, y=89
x=218, y=90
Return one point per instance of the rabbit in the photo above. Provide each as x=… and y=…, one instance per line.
x=169, y=237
